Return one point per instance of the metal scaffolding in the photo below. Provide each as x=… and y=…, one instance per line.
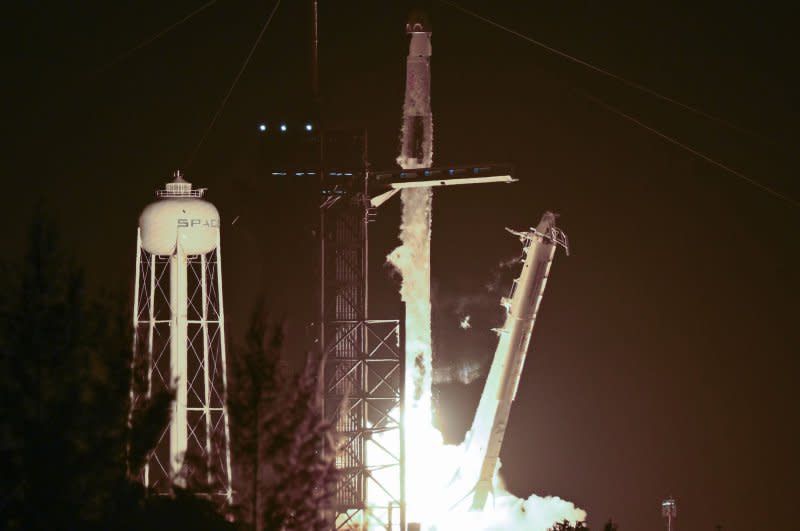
x=363, y=373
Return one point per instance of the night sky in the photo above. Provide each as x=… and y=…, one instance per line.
x=664, y=357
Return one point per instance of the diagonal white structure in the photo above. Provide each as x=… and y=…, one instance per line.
x=485, y=438
x=179, y=336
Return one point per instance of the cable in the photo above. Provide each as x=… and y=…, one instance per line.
x=624, y=81
x=692, y=150
x=156, y=36
x=233, y=85
x=641, y=124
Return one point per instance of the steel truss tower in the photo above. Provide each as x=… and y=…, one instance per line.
x=363, y=376
x=179, y=339
x=364, y=359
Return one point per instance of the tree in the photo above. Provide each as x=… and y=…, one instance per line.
x=256, y=376
x=285, y=448
x=566, y=526
x=67, y=449
x=610, y=526
x=64, y=375
x=303, y=452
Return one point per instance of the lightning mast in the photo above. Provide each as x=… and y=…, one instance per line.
x=669, y=510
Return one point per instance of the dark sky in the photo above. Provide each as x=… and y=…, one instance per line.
x=664, y=358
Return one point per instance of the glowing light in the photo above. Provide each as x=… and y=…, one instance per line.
x=308, y=127
x=464, y=324
x=439, y=477
x=283, y=128
x=262, y=127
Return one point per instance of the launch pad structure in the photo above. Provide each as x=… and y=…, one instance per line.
x=362, y=371
x=364, y=358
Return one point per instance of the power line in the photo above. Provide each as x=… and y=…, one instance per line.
x=233, y=85
x=692, y=150
x=623, y=80
x=636, y=121
x=156, y=36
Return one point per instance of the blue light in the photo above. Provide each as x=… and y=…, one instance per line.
x=283, y=128
x=262, y=127
x=308, y=127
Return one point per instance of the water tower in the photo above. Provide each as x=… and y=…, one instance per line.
x=179, y=335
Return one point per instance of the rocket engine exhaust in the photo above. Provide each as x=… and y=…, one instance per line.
x=439, y=478
x=412, y=258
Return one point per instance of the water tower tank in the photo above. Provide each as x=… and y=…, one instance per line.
x=180, y=215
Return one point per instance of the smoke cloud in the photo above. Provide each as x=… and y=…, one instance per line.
x=464, y=372
x=439, y=477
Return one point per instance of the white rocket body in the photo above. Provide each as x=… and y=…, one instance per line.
x=417, y=135
x=413, y=258
x=485, y=438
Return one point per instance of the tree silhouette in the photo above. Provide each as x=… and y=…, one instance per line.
x=566, y=526
x=285, y=451
x=304, y=459
x=67, y=451
x=72, y=448
x=256, y=376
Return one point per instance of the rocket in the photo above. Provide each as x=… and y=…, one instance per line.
x=417, y=134
x=485, y=438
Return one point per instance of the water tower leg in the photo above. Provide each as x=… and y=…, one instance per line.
x=206, y=372
x=178, y=302
x=222, y=344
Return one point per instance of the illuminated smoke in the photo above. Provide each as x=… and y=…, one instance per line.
x=412, y=260
x=506, y=512
x=493, y=284
x=440, y=477
x=464, y=324
x=463, y=372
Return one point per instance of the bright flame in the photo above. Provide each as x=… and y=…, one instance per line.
x=464, y=372
x=412, y=260
x=440, y=478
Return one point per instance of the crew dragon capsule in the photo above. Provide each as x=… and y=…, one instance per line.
x=485, y=438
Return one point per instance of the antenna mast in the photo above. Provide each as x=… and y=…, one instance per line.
x=669, y=510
